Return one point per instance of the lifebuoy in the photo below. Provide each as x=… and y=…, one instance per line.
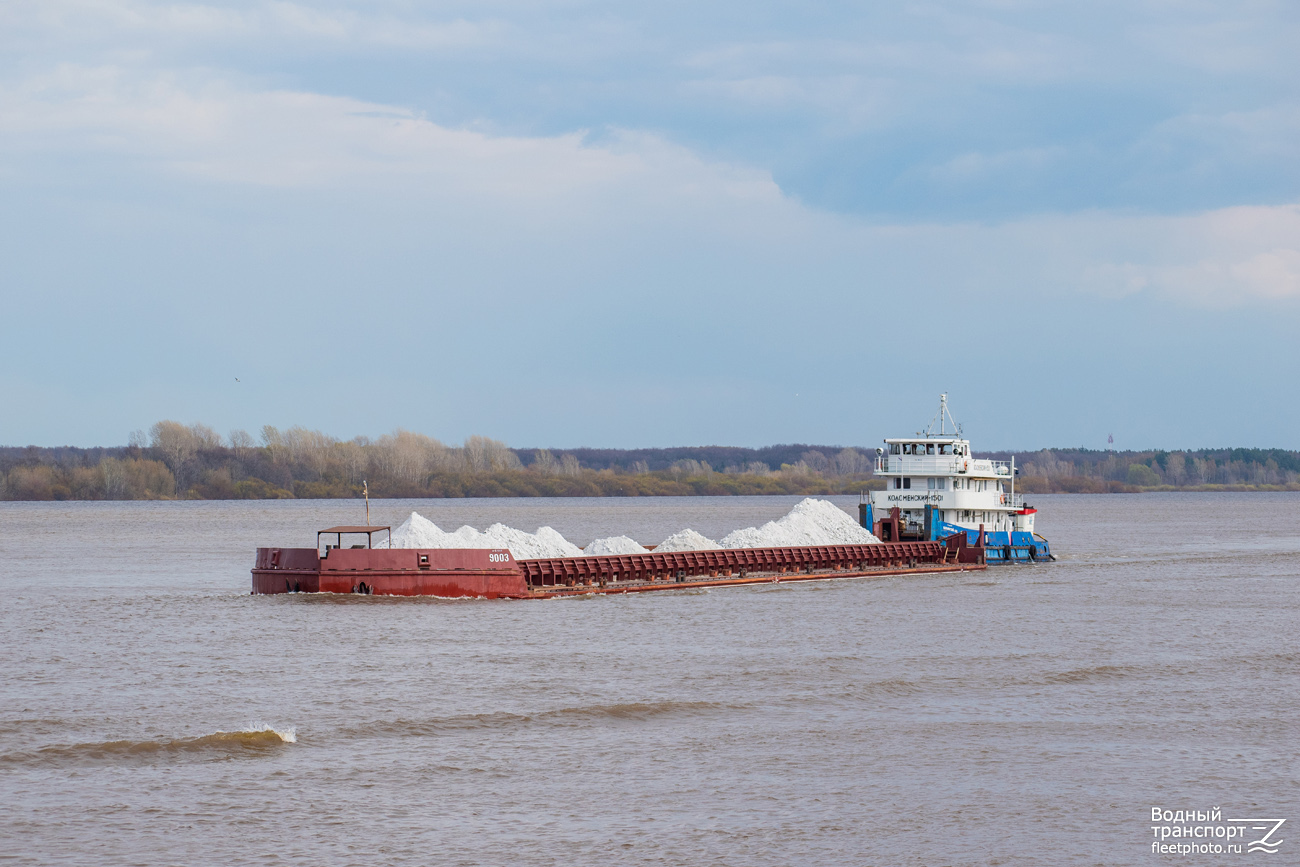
x=965, y=465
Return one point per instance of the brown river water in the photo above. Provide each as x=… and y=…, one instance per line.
x=152, y=712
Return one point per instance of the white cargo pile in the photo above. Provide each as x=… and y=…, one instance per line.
x=613, y=547
x=686, y=540
x=418, y=531
x=812, y=522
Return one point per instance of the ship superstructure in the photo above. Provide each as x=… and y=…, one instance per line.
x=935, y=486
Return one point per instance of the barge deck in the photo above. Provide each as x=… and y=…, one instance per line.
x=496, y=574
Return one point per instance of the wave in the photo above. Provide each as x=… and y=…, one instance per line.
x=1099, y=672
x=251, y=742
x=874, y=689
x=620, y=712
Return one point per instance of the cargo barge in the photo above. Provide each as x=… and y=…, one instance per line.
x=496, y=574
x=942, y=510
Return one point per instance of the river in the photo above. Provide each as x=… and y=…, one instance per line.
x=152, y=712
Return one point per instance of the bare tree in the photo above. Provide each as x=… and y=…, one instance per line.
x=545, y=463
x=241, y=442
x=271, y=438
x=308, y=448
x=115, y=481
x=816, y=461
x=177, y=445
x=353, y=458
x=205, y=437
x=476, y=450
x=490, y=454
x=690, y=467
x=850, y=462
x=407, y=456
x=1176, y=469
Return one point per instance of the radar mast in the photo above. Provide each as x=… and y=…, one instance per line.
x=942, y=419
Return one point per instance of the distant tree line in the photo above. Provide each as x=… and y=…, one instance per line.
x=1093, y=471
x=178, y=461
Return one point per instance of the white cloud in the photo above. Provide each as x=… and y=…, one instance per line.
x=631, y=185
x=216, y=131
x=1222, y=258
x=117, y=23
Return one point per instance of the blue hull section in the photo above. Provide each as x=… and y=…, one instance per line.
x=1002, y=547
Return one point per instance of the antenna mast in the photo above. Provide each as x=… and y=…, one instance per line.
x=942, y=418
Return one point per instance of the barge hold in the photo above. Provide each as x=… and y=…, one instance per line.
x=496, y=574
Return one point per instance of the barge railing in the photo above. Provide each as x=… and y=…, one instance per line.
x=681, y=566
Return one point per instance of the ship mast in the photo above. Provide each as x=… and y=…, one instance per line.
x=942, y=418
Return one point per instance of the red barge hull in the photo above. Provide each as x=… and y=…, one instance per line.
x=495, y=574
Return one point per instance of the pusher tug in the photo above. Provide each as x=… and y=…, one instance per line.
x=934, y=488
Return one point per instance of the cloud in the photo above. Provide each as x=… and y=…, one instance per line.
x=1223, y=258
x=920, y=111
x=626, y=184
x=219, y=132
x=114, y=24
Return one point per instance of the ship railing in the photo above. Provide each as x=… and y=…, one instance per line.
x=941, y=465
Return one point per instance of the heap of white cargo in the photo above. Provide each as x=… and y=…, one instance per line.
x=811, y=522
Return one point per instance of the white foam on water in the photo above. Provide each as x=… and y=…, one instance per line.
x=289, y=735
x=613, y=546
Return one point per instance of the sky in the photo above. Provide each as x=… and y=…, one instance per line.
x=617, y=224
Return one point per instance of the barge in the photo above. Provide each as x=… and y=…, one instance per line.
x=496, y=574
x=942, y=510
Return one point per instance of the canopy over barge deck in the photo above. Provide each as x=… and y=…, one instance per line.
x=496, y=574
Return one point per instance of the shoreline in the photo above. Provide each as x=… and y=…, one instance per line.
x=811, y=491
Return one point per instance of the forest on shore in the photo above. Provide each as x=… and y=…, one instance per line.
x=178, y=461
